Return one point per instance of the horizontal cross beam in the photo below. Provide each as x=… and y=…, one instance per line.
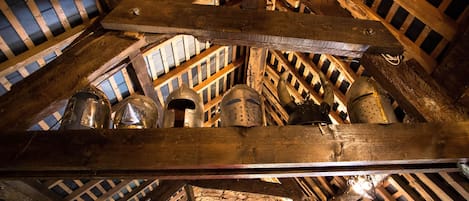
x=259, y=28
x=209, y=153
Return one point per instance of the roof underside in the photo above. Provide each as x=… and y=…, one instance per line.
x=33, y=33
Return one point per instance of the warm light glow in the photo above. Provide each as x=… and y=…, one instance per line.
x=364, y=184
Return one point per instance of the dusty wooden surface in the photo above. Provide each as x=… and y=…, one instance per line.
x=224, y=25
x=414, y=91
x=47, y=90
x=233, y=152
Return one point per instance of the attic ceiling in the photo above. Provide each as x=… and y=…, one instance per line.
x=34, y=33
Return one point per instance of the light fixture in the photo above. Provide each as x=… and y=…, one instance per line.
x=364, y=185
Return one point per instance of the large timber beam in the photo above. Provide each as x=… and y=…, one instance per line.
x=415, y=92
x=209, y=153
x=224, y=25
x=47, y=90
x=287, y=189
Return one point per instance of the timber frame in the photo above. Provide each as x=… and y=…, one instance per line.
x=131, y=62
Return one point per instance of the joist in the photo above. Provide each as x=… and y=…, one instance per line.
x=361, y=11
x=165, y=190
x=15, y=23
x=187, y=66
x=224, y=25
x=209, y=153
x=40, y=51
x=431, y=16
x=413, y=91
x=46, y=91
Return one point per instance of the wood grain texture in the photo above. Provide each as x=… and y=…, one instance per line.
x=208, y=153
x=52, y=85
x=287, y=189
x=415, y=92
x=307, y=33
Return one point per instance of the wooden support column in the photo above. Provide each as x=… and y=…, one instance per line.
x=211, y=153
x=287, y=189
x=337, y=36
x=189, y=192
x=47, y=90
x=414, y=92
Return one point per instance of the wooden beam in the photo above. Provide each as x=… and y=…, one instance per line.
x=256, y=68
x=139, y=189
x=140, y=75
x=208, y=153
x=115, y=189
x=49, y=88
x=415, y=92
x=165, y=190
x=189, y=192
x=78, y=192
x=431, y=16
x=40, y=51
x=319, y=34
x=187, y=66
x=32, y=189
x=452, y=73
x=287, y=189
x=361, y=11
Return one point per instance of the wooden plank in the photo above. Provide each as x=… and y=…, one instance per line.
x=416, y=185
x=115, y=189
x=140, y=189
x=459, y=188
x=452, y=73
x=223, y=72
x=431, y=16
x=403, y=189
x=361, y=11
x=418, y=97
x=40, y=51
x=50, y=89
x=204, y=153
x=335, y=35
x=61, y=14
x=32, y=189
x=81, y=10
x=287, y=189
x=15, y=23
x=437, y=190
x=256, y=68
x=186, y=66
x=165, y=190
x=39, y=19
x=5, y=49
x=80, y=191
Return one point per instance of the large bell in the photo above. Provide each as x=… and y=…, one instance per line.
x=136, y=112
x=183, y=108
x=241, y=106
x=87, y=109
x=367, y=102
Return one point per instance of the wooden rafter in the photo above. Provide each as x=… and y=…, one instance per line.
x=418, y=96
x=49, y=88
x=361, y=11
